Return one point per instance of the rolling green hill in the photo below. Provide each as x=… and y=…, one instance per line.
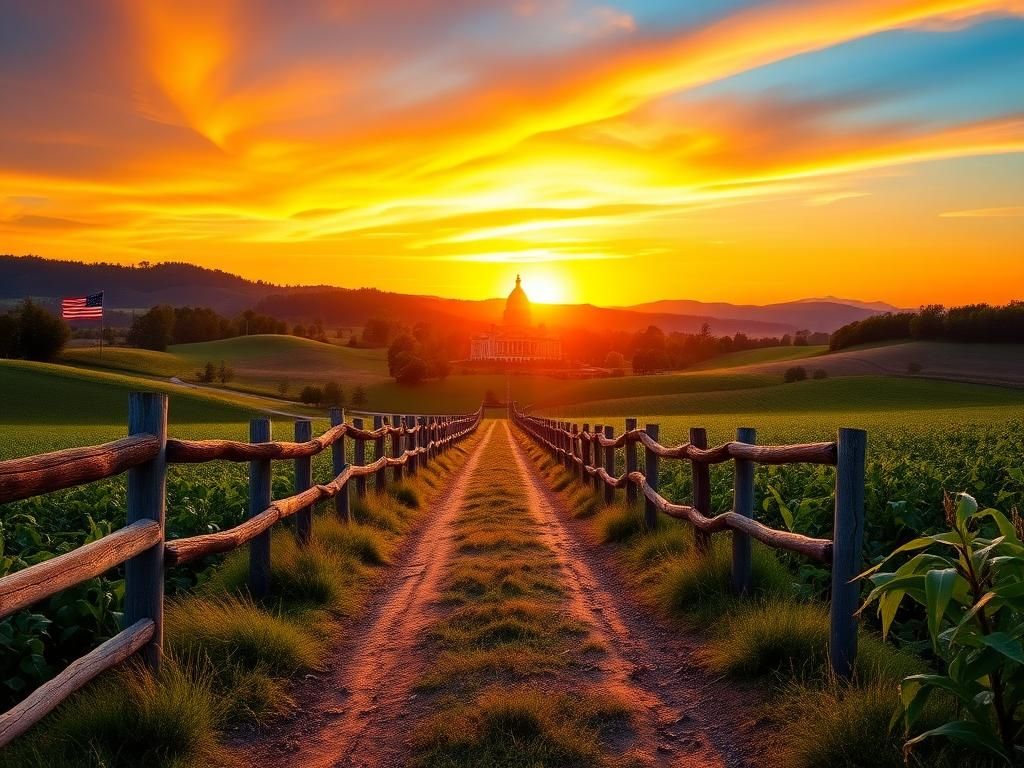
x=756, y=356
x=46, y=407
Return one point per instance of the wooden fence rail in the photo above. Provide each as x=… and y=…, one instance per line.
x=141, y=546
x=589, y=455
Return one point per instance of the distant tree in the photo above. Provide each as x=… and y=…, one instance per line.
x=820, y=373
x=311, y=395
x=380, y=332
x=282, y=387
x=399, y=352
x=914, y=368
x=154, y=329
x=225, y=373
x=108, y=335
x=796, y=373
x=359, y=398
x=208, y=374
x=41, y=335
x=490, y=397
x=333, y=394
x=614, y=360
x=299, y=330
x=786, y=340
x=413, y=370
x=8, y=336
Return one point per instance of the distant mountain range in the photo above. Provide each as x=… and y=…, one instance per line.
x=138, y=288
x=825, y=314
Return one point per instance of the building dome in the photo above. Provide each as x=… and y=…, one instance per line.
x=517, y=307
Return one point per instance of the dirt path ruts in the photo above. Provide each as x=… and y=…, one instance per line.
x=357, y=714
x=360, y=711
x=686, y=717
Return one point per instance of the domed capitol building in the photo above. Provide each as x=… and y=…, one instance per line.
x=517, y=340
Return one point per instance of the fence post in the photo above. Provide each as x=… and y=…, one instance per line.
x=259, y=500
x=360, y=458
x=303, y=481
x=609, y=465
x=651, y=476
x=396, y=445
x=630, y=462
x=742, y=504
x=585, y=449
x=411, y=444
x=575, y=440
x=379, y=480
x=423, y=438
x=147, y=500
x=847, y=548
x=341, y=504
x=598, y=430
x=701, y=487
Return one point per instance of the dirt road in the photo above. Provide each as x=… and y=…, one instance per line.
x=361, y=710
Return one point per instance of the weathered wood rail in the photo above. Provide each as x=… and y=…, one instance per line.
x=141, y=545
x=590, y=455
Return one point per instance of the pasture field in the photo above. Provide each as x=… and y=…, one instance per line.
x=46, y=407
x=758, y=356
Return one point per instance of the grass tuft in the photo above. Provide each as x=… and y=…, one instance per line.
x=521, y=728
x=127, y=719
x=699, y=585
x=790, y=640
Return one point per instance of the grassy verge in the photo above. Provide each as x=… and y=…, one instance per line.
x=771, y=636
x=230, y=659
x=504, y=642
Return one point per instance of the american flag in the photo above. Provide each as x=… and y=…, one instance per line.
x=82, y=308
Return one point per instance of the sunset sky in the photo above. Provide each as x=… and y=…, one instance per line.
x=612, y=152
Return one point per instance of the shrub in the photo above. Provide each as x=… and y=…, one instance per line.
x=796, y=373
x=914, y=368
x=820, y=373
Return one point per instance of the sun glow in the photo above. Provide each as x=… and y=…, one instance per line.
x=543, y=283
x=612, y=155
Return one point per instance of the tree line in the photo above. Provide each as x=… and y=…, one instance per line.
x=164, y=325
x=969, y=323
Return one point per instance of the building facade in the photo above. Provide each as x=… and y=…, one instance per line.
x=516, y=341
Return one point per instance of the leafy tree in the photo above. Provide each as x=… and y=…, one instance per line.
x=8, y=336
x=413, y=370
x=359, y=398
x=311, y=395
x=333, y=394
x=208, y=374
x=225, y=373
x=282, y=387
x=154, y=329
x=41, y=335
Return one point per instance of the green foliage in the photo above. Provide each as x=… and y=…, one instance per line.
x=970, y=582
x=33, y=333
x=796, y=373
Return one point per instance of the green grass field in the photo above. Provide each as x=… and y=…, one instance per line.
x=757, y=356
x=261, y=363
x=813, y=410
x=46, y=407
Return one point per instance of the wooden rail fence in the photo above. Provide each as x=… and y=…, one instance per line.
x=141, y=546
x=590, y=454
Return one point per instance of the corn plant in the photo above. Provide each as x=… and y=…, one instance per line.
x=970, y=582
